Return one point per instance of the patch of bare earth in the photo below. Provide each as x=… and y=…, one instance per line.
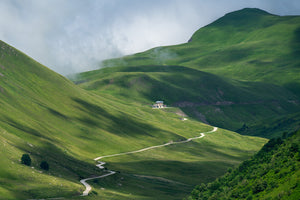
x=1, y=90
x=181, y=113
x=201, y=117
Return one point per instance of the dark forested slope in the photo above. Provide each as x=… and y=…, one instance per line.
x=273, y=173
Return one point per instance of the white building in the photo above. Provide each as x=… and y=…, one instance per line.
x=159, y=104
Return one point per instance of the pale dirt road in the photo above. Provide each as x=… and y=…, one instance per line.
x=88, y=188
x=157, y=146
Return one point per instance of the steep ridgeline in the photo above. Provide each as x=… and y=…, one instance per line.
x=273, y=173
x=241, y=69
x=46, y=116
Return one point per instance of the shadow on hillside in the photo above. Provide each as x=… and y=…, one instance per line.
x=295, y=44
x=158, y=68
x=121, y=124
x=57, y=113
x=61, y=163
x=295, y=50
x=186, y=84
x=213, y=162
x=194, y=90
x=190, y=173
x=135, y=184
x=228, y=55
x=25, y=128
x=54, y=112
x=61, y=166
x=233, y=154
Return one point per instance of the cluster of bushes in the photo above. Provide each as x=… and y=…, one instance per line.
x=273, y=173
x=26, y=160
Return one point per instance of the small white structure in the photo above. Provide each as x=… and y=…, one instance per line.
x=159, y=104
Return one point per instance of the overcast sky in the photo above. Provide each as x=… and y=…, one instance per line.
x=71, y=36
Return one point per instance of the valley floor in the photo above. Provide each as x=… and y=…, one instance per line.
x=88, y=187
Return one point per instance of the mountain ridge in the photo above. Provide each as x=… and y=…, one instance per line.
x=48, y=117
x=109, y=112
x=272, y=42
x=243, y=63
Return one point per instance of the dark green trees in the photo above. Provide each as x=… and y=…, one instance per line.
x=26, y=160
x=44, y=165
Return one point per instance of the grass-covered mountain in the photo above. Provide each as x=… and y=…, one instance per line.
x=237, y=72
x=247, y=45
x=48, y=117
x=212, y=99
x=241, y=69
x=273, y=173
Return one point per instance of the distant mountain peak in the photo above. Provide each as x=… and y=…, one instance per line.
x=244, y=15
x=246, y=19
x=249, y=11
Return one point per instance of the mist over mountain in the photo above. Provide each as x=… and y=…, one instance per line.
x=228, y=123
x=234, y=72
x=71, y=36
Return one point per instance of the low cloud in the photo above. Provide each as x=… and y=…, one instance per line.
x=71, y=36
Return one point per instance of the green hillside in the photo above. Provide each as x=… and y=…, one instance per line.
x=212, y=99
x=273, y=126
x=273, y=173
x=242, y=68
x=248, y=45
x=48, y=117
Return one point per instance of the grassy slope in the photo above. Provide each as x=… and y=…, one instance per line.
x=252, y=54
x=273, y=127
x=47, y=116
x=173, y=170
x=249, y=44
x=273, y=173
x=220, y=101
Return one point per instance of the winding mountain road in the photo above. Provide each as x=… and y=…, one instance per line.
x=88, y=188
